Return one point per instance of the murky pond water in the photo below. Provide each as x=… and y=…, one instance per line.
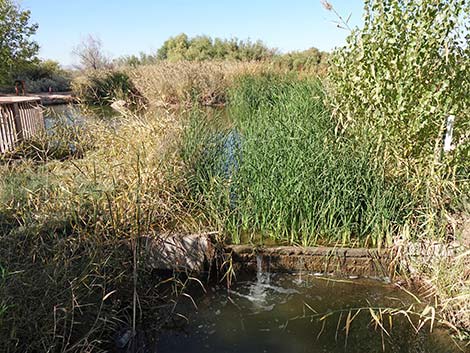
x=283, y=313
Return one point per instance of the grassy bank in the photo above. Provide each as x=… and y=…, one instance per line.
x=66, y=266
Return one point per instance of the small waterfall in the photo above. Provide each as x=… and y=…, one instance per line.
x=259, y=269
x=261, y=293
x=258, y=290
x=298, y=280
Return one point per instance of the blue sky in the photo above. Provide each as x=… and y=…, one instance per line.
x=130, y=26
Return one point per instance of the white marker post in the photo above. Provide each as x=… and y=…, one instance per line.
x=449, y=129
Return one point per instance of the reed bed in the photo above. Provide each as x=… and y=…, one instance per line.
x=276, y=167
x=184, y=82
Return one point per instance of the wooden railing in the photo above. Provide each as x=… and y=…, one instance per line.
x=20, y=119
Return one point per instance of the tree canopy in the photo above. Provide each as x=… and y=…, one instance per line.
x=17, y=48
x=199, y=48
x=202, y=47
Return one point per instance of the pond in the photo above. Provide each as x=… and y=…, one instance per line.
x=75, y=114
x=281, y=313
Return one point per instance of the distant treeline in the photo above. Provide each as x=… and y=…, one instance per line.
x=202, y=48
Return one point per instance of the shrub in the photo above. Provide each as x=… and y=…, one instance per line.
x=311, y=60
x=104, y=87
x=399, y=77
x=395, y=83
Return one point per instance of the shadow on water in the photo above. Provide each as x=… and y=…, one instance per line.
x=280, y=313
x=75, y=114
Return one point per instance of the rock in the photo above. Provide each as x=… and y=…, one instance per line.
x=179, y=252
x=120, y=106
x=317, y=260
x=122, y=338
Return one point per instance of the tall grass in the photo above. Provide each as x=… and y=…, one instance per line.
x=276, y=168
x=182, y=83
x=66, y=267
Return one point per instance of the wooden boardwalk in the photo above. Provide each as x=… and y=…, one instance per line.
x=20, y=119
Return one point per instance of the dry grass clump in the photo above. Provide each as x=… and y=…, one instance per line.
x=184, y=82
x=449, y=281
x=452, y=280
x=103, y=87
x=442, y=271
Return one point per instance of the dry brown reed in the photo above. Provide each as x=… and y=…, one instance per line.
x=184, y=82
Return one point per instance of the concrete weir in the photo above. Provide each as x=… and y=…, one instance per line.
x=194, y=253
x=322, y=260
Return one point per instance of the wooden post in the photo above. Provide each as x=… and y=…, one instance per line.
x=18, y=124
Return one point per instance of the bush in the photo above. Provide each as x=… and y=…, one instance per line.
x=42, y=76
x=311, y=60
x=104, y=87
x=399, y=77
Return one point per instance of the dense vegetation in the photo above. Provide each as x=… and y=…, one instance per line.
x=355, y=159
x=65, y=224
x=183, y=71
x=43, y=76
x=396, y=83
x=394, y=86
x=205, y=48
x=278, y=169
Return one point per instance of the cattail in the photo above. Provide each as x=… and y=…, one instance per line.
x=326, y=5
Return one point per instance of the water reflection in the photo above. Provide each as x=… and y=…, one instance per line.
x=275, y=313
x=74, y=114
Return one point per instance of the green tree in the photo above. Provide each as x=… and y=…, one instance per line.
x=174, y=49
x=220, y=49
x=17, y=49
x=200, y=48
